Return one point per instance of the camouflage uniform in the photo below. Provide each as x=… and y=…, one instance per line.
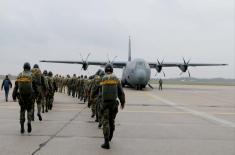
x=77, y=86
x=25, y=101
x=64, y=84
x=69, y=84
x=111, y=90
x=45, y=90
x=39, y=81
x=73, y=85
x=81, y=88
x=85, y=88
x=50, y=94
x=96, y=98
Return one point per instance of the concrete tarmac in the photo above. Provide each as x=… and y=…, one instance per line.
x=180, y=120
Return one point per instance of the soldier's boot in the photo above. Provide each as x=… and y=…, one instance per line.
x=29, y=128
x=106, y=144
x=39, y=117
x=21, y=128
x=100, y=125
x=43, y=109
x=111, y=135
x=46, y=108
x=96, y=118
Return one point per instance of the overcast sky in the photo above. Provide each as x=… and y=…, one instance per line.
x=203, y=30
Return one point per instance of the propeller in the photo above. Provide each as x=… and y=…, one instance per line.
x=184, y=67
x=159, y=67
x=84, y=62
x=111, y=62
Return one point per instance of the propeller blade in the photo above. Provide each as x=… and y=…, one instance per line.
x=113, y=59
x=184, y=61
x=158, y=62
x=189, y=73
x=88, y=56
x=181, y=73
x=162, y=61
x=188, y=61
x=81, y=56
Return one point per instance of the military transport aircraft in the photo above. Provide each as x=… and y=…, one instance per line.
x=136, y=73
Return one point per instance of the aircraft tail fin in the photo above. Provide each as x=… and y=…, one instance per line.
x=129, y=50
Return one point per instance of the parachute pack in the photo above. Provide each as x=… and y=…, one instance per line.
x=25, y=83
x=109, y=87
x=37, y=76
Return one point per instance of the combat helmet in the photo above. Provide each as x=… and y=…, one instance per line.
x=45, y=72
x=27, y=66
x=36, y=66
x=50, y=73
x=108, y=68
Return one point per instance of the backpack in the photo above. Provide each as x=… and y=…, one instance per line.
x=37, y=76
x=109, y=87
x=25, y=83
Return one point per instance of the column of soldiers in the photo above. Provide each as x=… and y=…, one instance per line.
x=33, y=86
x=100, y=91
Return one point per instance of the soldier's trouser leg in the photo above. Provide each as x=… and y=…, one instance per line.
x=93, y=108
x=33, y=108
x=43, y=104
x=39, y=105
x=6, y=94
x=112, y=116
x=47, y=103
x=23, y=109
x=29, y=113
x=22, y=114
x=100, y=114
x=51, y=100
x=106, y=123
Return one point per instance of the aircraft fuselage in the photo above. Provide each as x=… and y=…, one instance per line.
x=136, y=73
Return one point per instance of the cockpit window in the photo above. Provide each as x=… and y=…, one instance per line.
x=141, y=64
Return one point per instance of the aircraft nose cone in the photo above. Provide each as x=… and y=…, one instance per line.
x=140, y=76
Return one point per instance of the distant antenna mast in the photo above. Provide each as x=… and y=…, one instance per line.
x=129, y=51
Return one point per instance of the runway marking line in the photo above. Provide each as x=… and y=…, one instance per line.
x=203, y=115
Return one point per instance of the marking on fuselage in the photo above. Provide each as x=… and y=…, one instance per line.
x=200, y=114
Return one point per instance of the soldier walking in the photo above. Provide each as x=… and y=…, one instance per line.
x=111, y=90
x=160, y=84
x=6, y=84
x=45, y=91
x=24, y=90
x=39, y=82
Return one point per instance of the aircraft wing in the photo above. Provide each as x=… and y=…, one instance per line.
x=154, y=65
x=115, y=64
